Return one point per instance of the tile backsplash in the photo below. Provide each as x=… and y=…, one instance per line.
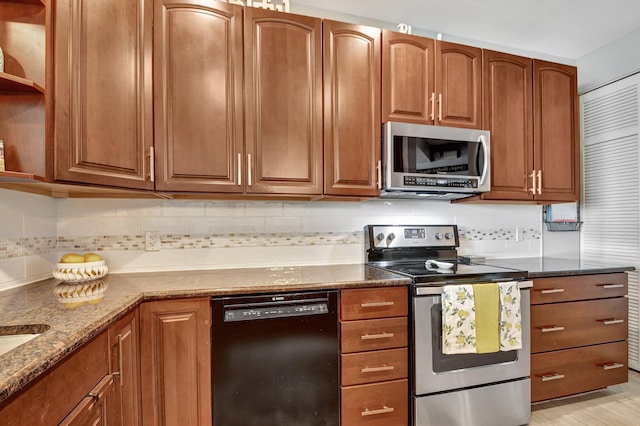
x=36, y=230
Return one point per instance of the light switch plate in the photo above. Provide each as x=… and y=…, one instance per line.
x=152, y=241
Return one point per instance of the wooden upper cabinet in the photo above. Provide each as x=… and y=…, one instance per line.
x=198, y=95
x=407, y=78
x=351, y=109
x=556, y=140
x=508, y=115
x=103, y=129
x=458, y=85
x=283, y=102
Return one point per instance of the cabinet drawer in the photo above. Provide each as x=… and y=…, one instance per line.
x=571, y=324
x=368, y=303
x=376, y=366
x=571, y=371
x=380, y=404
x=372, y=335
x=566, y=289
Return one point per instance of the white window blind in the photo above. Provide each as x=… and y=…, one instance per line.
x=611, y=191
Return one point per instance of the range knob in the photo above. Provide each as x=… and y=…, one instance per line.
x=380, y=237
x=391, y=237
x=438, y=235
x=448, y=235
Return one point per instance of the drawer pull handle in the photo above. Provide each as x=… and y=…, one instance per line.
x=382, y=410
x=376, y=369
x=553, y=376
x=612, y=366
x=552, y=328
x=611, y=321
x=552, y=290
x=376, y=304
x=612, y=285
x=376, y=336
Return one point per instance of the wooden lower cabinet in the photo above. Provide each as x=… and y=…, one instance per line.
x=58, y=393
x=124, y=344
x=175, y=350
x=383, y=404
x=579, y=331
x=571, y=371
x=93, y=409
x=374, y=358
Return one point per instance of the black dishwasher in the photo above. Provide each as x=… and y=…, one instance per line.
x=275, y=360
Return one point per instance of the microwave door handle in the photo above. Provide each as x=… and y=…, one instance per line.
x=483, y=141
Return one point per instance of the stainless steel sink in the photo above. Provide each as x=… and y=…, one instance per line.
x=12, y=336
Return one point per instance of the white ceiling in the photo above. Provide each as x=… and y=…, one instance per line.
x=563, y=28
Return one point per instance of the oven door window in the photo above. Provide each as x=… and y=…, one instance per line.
x=437, y=156
x=443, y=363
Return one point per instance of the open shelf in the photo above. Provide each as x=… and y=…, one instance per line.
x=6, y=176
x=12, y=83
x=38, y=2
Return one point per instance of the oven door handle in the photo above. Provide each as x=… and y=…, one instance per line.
x=435, y=289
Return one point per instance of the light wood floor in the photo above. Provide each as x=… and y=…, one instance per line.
x=615, y=406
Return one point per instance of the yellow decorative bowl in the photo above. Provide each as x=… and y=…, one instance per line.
x=80, y=272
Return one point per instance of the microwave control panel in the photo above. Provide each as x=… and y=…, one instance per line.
x=441, y=182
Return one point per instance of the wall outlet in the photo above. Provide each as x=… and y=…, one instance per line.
x=520, y=234
x=152, y=241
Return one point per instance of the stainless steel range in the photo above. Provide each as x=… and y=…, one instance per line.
x=470, y=389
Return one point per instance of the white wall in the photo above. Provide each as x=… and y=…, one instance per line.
x=610, y=62
x=239, y=234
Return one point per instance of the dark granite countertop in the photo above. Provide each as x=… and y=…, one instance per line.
x=71, y=328
x=539, y=267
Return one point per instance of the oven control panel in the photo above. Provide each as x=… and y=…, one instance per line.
x=419, y=236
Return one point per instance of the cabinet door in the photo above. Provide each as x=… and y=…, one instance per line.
x=407, y=78
x=458, y=85
x=556, y=143
x=125, y=367
x=175, y=351
x=283, y=82
x=351, y=109
x=198, y=95
x=92, y=410
x=103, y=101
x=508, y=115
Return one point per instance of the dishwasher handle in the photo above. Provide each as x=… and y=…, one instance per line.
x=275, y=311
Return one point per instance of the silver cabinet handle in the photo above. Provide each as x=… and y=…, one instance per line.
x=440, y=107
x=249, y=169
x=376, y=304
x=552, y=328
x=612, y=285
x=612, y=366
x=118, y=373
x=377, y=369
x=533, y=182
x=539, y=182
x=552, y=290
x=433, y=106
x=379, y=170
x=382, y=410
x=239, y=169
x=611, y=321
x=152, y=166
x=377, y=336
x=552, y=376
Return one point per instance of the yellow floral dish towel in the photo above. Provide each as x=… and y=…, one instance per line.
x=458, y=320
x=510, y=321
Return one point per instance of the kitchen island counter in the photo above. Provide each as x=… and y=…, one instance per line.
x=71, y=328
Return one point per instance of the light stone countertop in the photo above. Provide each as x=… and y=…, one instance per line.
x=71, y=328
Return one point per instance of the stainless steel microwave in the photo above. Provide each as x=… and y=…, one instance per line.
x=434, y=162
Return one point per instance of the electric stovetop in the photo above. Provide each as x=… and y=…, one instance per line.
x=428, y=254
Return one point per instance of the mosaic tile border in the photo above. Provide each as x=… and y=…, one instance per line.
x=40, y=245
